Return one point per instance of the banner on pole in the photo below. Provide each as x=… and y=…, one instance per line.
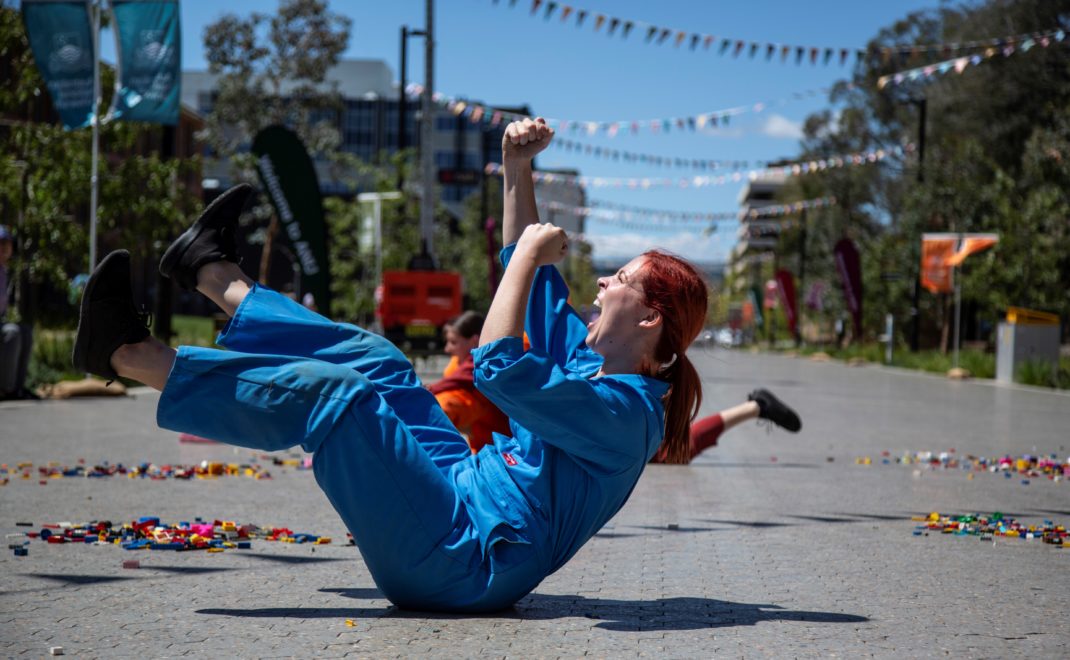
x=149, y=41
x=786, y=287
x=61, y=38
x=290, y=179
x=849, y=265
x=936, y=274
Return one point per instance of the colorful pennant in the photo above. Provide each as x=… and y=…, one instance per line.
x=770, y=50
x=960, y=64
x=646, y=183
x=677, y=162
x=476, y=113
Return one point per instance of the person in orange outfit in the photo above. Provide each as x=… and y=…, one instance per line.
x=471, y=412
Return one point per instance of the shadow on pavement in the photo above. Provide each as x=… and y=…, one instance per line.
x=186, y=570
x=769, y=464
x=79, y=579
x=681, y=613
x=290, y=559
x=757, y=524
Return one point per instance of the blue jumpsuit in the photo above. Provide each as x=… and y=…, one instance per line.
x=439, y=528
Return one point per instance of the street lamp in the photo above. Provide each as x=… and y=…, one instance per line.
x=376, y=200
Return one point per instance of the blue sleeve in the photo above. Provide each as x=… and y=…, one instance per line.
x=601, y=423
x=551, y=324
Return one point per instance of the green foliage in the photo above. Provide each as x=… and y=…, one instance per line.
x=51, y=358
x=45, y=172
x=193, y=331
x=1044, y=374
x=996, y=160
x=256, y=56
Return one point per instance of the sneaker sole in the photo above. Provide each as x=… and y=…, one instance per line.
x=174, y=253
x=81, y=344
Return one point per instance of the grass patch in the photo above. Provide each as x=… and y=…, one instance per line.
x=1044, y=374
x=193, y=330
x=978, y=363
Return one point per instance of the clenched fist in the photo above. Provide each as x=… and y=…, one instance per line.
x=545, y=243
x=525, y=138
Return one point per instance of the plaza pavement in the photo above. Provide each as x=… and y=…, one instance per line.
x=771, y=544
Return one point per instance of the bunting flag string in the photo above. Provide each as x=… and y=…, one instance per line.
x=606, y=210
x=960, y=64
x=634, y=217
x=769, y=50
x=702, y=164
x=646, y=183
x=476, y=113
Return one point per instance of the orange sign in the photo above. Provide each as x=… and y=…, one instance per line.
x=936, y=249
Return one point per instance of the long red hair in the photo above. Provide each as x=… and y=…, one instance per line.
x=675, y=289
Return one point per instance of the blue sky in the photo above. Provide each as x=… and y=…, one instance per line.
x=505, y=56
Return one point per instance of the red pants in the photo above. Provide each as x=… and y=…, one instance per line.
x=704, y=434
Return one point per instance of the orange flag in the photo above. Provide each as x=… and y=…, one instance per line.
x=971, y=244
x=936, y=249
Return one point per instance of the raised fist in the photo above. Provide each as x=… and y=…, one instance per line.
x=546, y=243
x=525, y=138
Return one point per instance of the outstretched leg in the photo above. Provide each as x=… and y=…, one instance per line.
x=204, y=258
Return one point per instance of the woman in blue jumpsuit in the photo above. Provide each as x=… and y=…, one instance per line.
x=439, y=528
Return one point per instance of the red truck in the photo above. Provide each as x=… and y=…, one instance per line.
x=413, y=305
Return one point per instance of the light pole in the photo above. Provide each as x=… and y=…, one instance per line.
x=376, y=200
x=427, y=155
x=402, y=101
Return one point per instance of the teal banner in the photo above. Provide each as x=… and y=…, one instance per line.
x=150, y=56
x=61, y=37
x=290, y=180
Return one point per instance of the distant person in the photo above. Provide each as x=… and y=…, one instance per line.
x=16, y=339
x=705, y=432
x=472, y=413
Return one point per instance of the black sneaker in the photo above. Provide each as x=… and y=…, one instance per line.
x=210, y=238
x=108, y=318
x=775, y=410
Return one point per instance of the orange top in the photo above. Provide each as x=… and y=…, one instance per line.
x=471, y=412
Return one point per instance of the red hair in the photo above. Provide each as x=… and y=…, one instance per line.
x=674, y=288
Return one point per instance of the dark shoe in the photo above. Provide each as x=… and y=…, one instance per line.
x=108, y=318
x=210, y=238
x=775, y=410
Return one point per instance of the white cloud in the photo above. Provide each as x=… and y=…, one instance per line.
x=779, y=126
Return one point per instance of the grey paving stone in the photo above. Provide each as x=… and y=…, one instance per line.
x=792, y=557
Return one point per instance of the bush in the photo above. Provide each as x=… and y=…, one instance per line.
x=1044, y=374
x=50, y=361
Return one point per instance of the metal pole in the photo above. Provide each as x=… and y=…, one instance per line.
x=378, y=210
x=401, y=93
x=96, y=139
x=915, y=308
x=958, y=311
x=427, y=202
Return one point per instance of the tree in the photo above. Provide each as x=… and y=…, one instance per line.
x=994, y=161
x=272, y=70
x=44, y=179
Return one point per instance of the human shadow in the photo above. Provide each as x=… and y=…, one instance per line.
x=187, y=570
x=291, y=559
x=67, y=579
x=770, y=464
x=662, y=614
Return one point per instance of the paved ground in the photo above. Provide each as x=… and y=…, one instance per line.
x=769, y=545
